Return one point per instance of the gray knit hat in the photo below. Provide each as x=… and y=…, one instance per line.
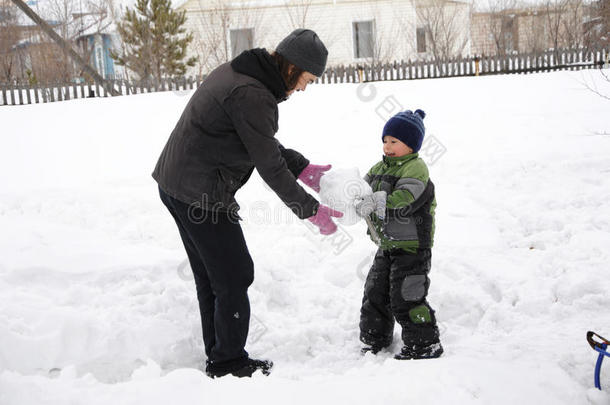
x=304, y=49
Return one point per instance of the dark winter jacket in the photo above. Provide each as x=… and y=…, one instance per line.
x=227, y=129
x=411, y=202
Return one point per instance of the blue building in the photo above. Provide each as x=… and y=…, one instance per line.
x=98, y=46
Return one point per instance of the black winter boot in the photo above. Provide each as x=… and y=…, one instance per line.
x=244, y=370
x=371, y=349
x=418, y=352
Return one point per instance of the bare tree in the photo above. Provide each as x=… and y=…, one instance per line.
x=597, y=28
x=597, y=34
x=384, y=40
x=384, y=49
x=446, y=25
x=564, y=23
x=602, y=88
x=374, y=38
x=211, y=43
x=498, y=23
x=95, y=18
x=215, y=21
x=533, y=30
x=572, y=30
x=297, y=12
x=63, y=45
x=62, y=13
x=115, y=14
x=69, y=19
x=553, y=14
x=9, y=38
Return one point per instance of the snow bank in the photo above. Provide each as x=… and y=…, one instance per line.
x=97, y=304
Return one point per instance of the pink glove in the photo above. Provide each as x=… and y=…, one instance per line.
x=323, y=219
x=311, y=175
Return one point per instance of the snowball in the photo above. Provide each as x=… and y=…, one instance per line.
x=340, y=189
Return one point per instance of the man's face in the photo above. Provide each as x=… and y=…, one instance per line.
x=305, y=79
x=393, y=147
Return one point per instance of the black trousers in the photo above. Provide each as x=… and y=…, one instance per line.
x=223, y=271
x=396, y=288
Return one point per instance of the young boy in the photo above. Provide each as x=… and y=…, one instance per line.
x=400, y=215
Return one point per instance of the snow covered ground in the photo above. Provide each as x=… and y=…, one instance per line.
x=97, y=305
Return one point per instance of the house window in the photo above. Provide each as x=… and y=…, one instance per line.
x=363, y=39
x=421, y=40
x=241, y=40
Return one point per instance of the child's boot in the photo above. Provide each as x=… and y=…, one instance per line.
x=417, y=352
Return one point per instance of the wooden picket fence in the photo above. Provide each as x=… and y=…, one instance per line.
x=573, y=59
x=16, y=93
x=22, y=93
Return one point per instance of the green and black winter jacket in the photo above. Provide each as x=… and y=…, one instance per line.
x=410, y=206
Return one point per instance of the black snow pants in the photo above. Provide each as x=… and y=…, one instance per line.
x=396, y=288
x=223, y=271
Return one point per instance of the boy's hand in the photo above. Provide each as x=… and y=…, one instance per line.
x=375, y=202
x=311, y=175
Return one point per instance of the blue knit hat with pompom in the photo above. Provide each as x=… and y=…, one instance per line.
x=408, y=127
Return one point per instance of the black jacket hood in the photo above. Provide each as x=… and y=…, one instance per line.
x=259, y=64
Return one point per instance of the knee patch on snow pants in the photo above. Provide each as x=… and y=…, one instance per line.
x=409, y=285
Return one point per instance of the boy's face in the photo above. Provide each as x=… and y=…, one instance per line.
x=392, y=147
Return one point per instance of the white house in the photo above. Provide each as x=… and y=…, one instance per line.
x=354, y=31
